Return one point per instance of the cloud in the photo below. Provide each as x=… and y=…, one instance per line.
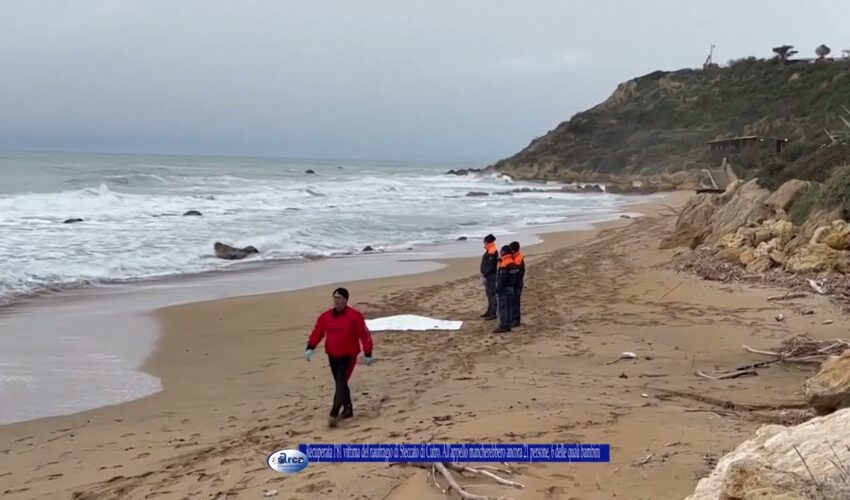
x=535, y=63
x=507, y=65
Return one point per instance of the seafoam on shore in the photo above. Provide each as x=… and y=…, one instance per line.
x=134, y=227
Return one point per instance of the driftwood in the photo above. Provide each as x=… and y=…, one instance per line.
x=788, y=296
x=727, y=375
x=445, y=470
x=800, y=349
x=804, y=349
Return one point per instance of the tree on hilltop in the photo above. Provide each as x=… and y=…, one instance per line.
x=783, y=52
x=822, y=51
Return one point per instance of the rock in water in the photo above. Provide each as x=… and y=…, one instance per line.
x=769, y=466
x=228, y=252
x=477, y=193
x=310, y=171
x=192, y=213
x=368, y=248
x=71, y=221
x=462, y=238
x=829, y=390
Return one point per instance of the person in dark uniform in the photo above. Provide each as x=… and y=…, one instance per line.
x=505, y=285
x=520, y=283
x=489, y=270
x=344, y=330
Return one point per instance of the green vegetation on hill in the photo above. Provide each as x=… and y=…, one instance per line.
x=660, y=122
x=833, y=193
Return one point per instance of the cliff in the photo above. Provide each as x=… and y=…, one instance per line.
x=660, y=123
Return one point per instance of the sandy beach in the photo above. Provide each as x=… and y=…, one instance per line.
x=236, y=385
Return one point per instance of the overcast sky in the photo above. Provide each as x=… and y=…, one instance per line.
x=464, y=79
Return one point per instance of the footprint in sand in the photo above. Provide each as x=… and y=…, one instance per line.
x=157, y=494
x=127, y=435
x=321, y=486
x=142, y=455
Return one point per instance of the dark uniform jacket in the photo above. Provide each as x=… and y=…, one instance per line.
x=508, y=274
x=520, y=262
x=490, y=260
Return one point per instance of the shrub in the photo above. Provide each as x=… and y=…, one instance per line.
x=836, y=190
x=804, y=207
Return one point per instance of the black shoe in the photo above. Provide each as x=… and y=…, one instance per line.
x=347, y=412
x=489, y=317
x=515, y=325
x=501, y=330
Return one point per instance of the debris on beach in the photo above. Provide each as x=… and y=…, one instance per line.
x=800, y=349
x=804, y=349
x=444, y=469
x=623, y=355
x=707, y=264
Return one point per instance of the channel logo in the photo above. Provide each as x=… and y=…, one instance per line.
x=287, y=461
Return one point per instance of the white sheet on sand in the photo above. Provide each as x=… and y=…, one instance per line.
x=410, y=322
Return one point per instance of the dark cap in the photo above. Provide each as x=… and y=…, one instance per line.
x=514, y=246
x=341, y=291
x=506, y=249
x=489, y=238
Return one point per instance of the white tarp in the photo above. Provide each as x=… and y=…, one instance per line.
x=411, y=322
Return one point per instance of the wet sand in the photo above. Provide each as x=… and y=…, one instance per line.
x=236, y=386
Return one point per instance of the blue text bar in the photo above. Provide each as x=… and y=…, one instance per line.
x=457, y=453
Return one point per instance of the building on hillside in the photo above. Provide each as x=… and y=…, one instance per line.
x=746, y=144
x=744, y=151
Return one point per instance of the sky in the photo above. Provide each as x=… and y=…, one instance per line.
x=389, y=79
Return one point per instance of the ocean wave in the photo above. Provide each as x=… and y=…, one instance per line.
x=133, y=225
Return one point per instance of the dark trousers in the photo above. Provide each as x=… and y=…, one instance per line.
x=490, y=290
x=341, y=368
x=506, y=307
x=517, y=300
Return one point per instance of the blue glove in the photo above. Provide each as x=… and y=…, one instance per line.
x=308, y=354
x=367, y=360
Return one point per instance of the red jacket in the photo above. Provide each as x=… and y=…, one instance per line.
x=345, y=332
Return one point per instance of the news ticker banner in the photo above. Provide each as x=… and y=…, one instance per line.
x=458, y=453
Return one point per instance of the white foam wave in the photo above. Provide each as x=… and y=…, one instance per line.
x=135, y=228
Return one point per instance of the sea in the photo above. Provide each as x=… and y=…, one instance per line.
x=133, y=225
x=76, y=298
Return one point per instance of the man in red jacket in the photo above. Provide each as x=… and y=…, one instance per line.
x=344, y=330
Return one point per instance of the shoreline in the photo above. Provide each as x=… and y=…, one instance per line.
x=237, y=386
x=134, y=307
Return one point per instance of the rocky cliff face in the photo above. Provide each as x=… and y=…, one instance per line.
x=748, y=225
x=660, y=122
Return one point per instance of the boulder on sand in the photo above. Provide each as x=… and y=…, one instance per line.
x=769, y=464
x=787, y=194
x=228, y=252
x=829, y=389
x=818, y=257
